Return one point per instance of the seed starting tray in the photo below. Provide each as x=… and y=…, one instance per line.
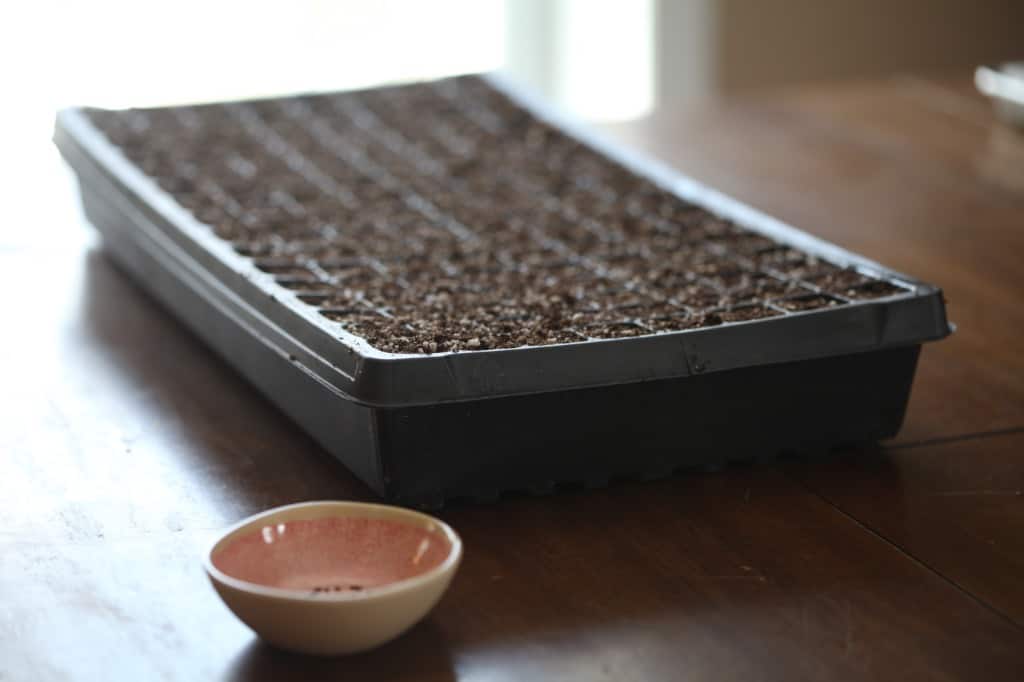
x=458, y=292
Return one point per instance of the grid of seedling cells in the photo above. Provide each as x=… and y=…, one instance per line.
x=444, y=217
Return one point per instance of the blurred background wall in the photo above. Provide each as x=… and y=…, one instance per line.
x=615, y=58
x=605, y=59
x=742, y=44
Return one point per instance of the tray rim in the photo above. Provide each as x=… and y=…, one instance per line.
x=370, y=376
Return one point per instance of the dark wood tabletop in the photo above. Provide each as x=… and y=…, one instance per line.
x=126, y=446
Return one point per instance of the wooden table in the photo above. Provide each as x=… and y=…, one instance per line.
x=125, y=445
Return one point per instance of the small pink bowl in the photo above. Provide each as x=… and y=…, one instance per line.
x=333, y=577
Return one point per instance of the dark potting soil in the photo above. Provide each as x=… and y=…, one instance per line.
x=444, y=217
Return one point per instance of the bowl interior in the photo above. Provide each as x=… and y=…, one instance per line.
x=333, y=554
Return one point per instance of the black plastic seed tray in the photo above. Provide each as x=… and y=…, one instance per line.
x=459, y=293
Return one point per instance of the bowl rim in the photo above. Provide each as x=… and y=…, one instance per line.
x=406, y=584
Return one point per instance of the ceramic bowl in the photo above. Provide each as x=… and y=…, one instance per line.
x=333, y=578
x=1005, y=85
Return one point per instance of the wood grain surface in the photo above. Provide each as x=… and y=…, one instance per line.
x=126, y=446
